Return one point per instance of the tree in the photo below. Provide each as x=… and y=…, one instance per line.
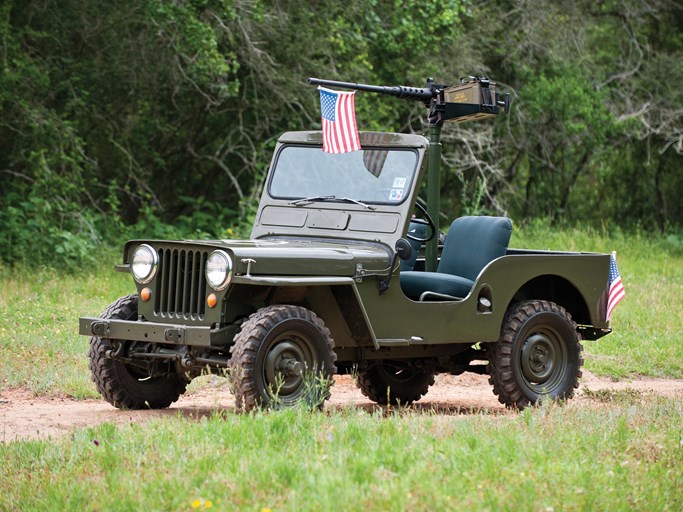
x=160, y=117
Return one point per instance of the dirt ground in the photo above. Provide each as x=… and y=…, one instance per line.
x=24, y=416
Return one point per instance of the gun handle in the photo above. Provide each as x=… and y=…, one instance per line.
x=505, y=102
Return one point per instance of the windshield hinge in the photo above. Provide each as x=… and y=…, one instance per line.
x=359, y=272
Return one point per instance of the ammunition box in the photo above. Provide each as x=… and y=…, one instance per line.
x=474, y=92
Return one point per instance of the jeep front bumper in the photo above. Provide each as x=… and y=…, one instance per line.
x=153, y=332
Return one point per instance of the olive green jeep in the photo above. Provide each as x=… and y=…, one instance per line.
x=335, y=279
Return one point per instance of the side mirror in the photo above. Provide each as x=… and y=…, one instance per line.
x=403, y=249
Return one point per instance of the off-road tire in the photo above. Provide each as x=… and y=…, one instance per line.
x=270, y=336
x=117, y=382
x=538, y=356
x=386, y=384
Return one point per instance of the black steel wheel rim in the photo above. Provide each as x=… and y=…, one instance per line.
x=287, y=359
x=543, y=361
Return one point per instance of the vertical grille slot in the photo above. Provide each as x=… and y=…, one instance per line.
x=181, y=284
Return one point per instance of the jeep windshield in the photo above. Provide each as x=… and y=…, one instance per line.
x=306, y=174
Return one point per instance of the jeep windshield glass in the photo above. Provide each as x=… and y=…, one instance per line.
x=379, y=176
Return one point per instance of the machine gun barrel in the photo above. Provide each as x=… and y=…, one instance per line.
x=423, y=94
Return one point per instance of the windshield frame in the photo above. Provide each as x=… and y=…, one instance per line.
x=341, y=196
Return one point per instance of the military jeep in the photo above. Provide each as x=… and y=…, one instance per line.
x=335, y=279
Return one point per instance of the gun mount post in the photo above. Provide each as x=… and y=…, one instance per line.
x=433, y=194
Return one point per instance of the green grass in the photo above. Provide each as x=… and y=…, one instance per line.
x=39, y=341
x=612, y=458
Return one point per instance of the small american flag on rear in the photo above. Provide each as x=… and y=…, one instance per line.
x=338, y=112
x=616, y=287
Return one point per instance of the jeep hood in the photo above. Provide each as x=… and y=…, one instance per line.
x=289, y=256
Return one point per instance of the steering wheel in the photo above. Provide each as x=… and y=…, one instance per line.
x=427, y=221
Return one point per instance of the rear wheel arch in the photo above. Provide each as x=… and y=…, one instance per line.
x=555, y=289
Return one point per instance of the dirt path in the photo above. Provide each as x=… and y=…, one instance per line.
x=23, y=416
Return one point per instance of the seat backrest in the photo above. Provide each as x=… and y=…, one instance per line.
x=417, y=230
x=472, y=243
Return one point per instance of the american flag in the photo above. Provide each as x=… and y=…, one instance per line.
x=340, y=134
x=616, y=287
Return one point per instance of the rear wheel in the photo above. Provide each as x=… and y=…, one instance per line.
x=537, y=357
x=394, y=383
x=123, y=385
x=283, y=356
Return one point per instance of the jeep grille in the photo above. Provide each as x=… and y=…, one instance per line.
x=181, y=285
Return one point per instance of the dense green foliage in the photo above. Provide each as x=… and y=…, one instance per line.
x=125, y=118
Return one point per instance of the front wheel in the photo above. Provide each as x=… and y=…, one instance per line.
x=283, y=356
x=123, y=385
x=537, y=357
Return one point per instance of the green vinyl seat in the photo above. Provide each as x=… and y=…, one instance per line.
x=471, y=244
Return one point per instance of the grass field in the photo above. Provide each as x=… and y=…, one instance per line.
x=551, y=458
x=623, y=455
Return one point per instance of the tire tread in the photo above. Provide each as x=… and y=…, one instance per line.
x=500, y=354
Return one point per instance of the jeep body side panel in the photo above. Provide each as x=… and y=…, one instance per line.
x=398, y=320
x=359, y=316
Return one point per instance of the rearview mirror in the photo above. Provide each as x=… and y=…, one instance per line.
x=403, y=249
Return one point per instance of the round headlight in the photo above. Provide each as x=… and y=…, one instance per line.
x=218, y=270
x=144, y=263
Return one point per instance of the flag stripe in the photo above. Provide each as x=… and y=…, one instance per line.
x=342, y=126
x=616, y=293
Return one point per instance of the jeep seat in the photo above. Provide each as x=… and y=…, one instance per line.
x=471, y=244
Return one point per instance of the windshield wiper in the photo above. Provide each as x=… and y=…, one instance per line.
x=313, y=199
x=356, y=201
